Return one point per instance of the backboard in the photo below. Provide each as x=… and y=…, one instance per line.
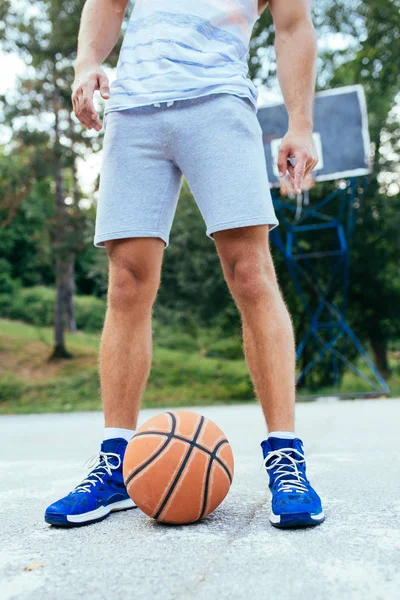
x=340, y=133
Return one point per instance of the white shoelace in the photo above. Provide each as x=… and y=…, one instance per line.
x=98, y=462
x=287, y=470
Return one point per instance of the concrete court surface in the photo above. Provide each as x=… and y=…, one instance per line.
x=353, y=461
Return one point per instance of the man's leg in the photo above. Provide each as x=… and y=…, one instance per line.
x=267, y=328
x=270, y=354
x=135, y=266
x=126, y=345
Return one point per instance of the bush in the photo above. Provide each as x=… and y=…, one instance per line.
x=6, y=303
x=89, y=313
x=36, y=305
x=228, y=348
x=6, y=283
x=174, y=337
x=8, y=289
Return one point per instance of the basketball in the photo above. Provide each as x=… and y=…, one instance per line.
x=178, y=467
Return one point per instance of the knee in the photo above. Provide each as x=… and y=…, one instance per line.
x=130, y=288
x=253, y=279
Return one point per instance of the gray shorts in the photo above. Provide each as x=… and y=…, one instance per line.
x=214, y=141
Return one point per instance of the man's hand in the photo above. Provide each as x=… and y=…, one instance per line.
x=87, y=80
x=299, y=146
x=296, y=53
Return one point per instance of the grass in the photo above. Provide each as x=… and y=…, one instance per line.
x=30, y=383
x=352, y=384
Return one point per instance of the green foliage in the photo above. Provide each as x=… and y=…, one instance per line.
x=12, y=389
x=24, y=240
x=45, y=135
x=177, y=337
x=89, y=313
x=374, y=295
x=6, y=282
x=229, y=348
x=177, y=378
x=371, y=31
x=261, y=50
x=36, y=305
x=194, y=310
x=193, y=287
x=8, y=287
x=33, y=305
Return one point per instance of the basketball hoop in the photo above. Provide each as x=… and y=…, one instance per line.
x=342, y=141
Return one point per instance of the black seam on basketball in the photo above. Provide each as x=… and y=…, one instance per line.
x=181, y=469
x=170, y=435
x=205, y=497
x=218, y=446
x=213, y=456
x=195, y=444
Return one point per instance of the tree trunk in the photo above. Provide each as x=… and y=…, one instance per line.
x=69, y=296
x=60, y=350
x=70, y=308
x=379, y=348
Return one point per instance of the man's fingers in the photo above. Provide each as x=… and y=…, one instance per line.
x=83, y=98
x=309, y=166
x=283, y=156
x=84, y=108
x=87, y=105
x=91, y=122
x=299, y=170
x=104, y=86
x=87, y=81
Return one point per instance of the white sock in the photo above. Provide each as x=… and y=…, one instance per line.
x=111, y=433
x=284, y=435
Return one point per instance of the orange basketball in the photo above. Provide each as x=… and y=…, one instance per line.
x=178, y=467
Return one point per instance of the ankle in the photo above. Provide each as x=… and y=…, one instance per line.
x=283, y=435
x=111, y=433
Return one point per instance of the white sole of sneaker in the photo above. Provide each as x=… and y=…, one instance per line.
x=306, y=518
x=101, y=512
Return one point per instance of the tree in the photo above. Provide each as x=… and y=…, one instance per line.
x=45, y=35
x=372, y=31
x=375, y=293
x=24, y=235
x=47, y=143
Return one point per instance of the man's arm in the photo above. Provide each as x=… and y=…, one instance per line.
x=98, y=33
x=296, y=53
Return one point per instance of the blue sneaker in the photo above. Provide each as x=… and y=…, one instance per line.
x=102, y=492
x=294, y=502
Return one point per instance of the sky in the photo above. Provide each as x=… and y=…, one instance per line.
x=11, y=67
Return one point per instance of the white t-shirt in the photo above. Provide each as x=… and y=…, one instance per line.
x=177, y=49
